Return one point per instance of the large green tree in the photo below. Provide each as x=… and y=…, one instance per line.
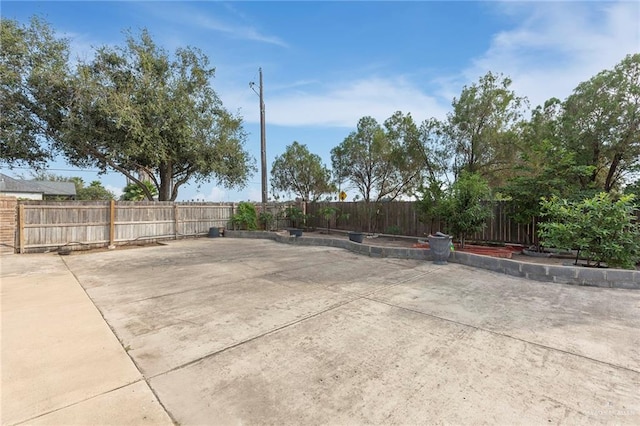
x=601, y=123
x=138, y=109
x=33, y=91
x=544, y=167
x=300, y=172
x=380, y=162
x=482, y=128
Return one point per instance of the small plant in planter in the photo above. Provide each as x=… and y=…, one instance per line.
x=296, y=217
x=393, y=230
x=327, y=213
x=266, y=220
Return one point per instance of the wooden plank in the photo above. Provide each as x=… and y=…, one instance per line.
x=175, y=221
x=112, y=222
x=64, y=225
x=21, y=228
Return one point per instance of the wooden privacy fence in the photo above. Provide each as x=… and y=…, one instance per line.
x=46, y=225
x=52, y=224
x=401, y=217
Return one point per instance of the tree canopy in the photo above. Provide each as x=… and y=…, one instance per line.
x=601, y=123
x=380, y=162
x=33, y=91
x=134, y=109
x=302, y=173
x=137, y=109
x=480, y=130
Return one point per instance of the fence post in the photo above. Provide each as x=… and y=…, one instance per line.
x=21, y=227
x=175, y=221
x=112, y=223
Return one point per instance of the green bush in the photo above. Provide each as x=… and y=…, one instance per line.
x=245, y=217
x=600, y=228
x=295, y=215
x=466, y=206
x=266, y=220
x=327, y=213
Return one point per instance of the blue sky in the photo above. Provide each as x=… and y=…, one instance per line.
x=326, y=64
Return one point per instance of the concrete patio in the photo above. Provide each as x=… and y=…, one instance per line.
x=239, y=331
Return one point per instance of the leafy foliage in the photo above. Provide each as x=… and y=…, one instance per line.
x=547, y=170
x=137, y=109
x=33, y=90
x=429, y=202
x=301, y=172
x=481, y=129
x=245, y=217
x=295, y=215
x=266, y=220
x=95, y=191
x=466, y=206
x=600, y=228
x=379, y=162
x=601, y=123
x=328, y=212
x=134, y=192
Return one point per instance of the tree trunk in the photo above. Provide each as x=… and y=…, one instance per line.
x=164, y=192
x=608, y=184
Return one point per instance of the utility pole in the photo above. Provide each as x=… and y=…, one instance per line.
x=263, y=142
x=263, y=147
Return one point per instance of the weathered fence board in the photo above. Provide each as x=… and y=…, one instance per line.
x=402, y=217
x=8, y=224
x=49, y=224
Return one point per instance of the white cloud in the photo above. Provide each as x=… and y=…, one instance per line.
x=341, y=105
x=557, y=45
x=236, y=31
x=117, y=191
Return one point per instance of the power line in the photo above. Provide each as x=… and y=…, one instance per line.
x=57, y=170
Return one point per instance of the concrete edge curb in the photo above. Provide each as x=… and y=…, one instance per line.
x=593, y=277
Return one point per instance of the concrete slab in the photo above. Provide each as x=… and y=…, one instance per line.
x=371, y=363
x=134, y=404
x=236, y=331
x=57, y=351
x=586, y=321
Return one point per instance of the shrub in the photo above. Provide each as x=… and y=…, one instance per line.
x=327, y=213
x=266, y=220
x=600, y=228
x=465, y=206
x=245, y=217
x=295, y=215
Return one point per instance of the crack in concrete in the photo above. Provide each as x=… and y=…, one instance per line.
x=355, y=298
x=26, y=421
x=496, y=333
x=144, y=378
